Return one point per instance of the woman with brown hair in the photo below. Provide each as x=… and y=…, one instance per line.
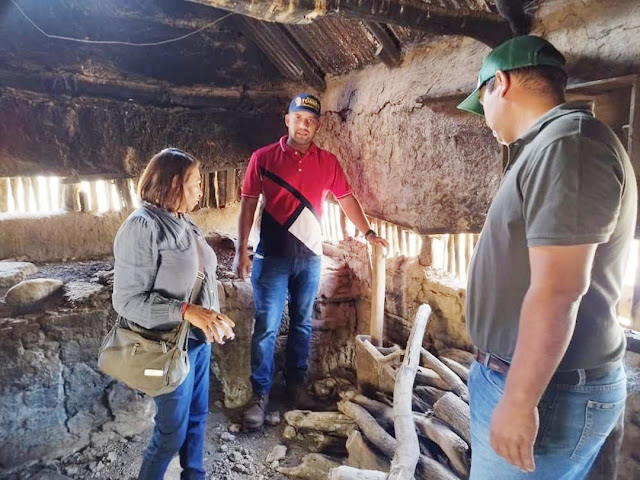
x=157, y=253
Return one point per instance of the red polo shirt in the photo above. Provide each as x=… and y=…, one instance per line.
x=293, y=187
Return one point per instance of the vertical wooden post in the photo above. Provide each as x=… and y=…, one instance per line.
x=54, y=194
x=402, y=234
x=378, y=281
x=343, y=225
x=70, y=194
x=125, y=193
x=26, y=194
x=216, y=189
x=426, y=252
x=452, y=254
x=222, y=188
x=93, y=196
x=231, y=187
x=83, y=198
x=4, y=194
x=15, y=182
x=35, y=187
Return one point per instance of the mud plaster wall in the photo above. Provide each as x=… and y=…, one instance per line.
x=80, y=236
x=429, y=166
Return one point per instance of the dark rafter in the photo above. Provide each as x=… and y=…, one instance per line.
x=389, y=51
x=480, y=24
x=283, y=51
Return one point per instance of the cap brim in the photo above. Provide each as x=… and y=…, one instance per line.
x=472, y=103
x=304, y=109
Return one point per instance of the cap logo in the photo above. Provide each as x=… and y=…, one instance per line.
x=311, y=103
x=298, y=101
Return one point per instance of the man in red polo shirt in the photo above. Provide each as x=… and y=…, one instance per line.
x=293, y=176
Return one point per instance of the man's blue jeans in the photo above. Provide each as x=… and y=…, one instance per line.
x=575, y=420
x=180, y=422
x=272, y=278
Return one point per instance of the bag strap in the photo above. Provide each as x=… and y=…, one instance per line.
x=197, y=285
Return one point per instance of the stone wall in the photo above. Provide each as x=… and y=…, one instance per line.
x=53, y=400
x=412, y=158
x=39, y=238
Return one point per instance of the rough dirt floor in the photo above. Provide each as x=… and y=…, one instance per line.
x=228, y=456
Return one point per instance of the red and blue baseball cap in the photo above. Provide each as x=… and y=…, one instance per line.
x=517, y=52
x=305, y=102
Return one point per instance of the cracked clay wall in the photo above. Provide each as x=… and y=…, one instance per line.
x=415, y=160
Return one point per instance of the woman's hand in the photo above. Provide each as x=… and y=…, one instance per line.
x=216, y=326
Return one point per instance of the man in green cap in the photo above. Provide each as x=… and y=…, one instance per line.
x=548, y=385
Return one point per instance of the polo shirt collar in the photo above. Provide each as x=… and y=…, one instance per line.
x=558, y=111
x=287, y=149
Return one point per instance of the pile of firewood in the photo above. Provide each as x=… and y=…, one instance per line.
x=419, y=427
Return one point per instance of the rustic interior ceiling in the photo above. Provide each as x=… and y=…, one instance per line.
x=209, y=59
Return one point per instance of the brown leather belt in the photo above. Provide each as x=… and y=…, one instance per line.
x=572, y=377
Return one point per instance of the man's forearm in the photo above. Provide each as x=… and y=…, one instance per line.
x=547, y=321
x=353, y=210
x=245, y=221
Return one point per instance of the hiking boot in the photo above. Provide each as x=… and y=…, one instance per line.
x=253, y=417
x=301, y=399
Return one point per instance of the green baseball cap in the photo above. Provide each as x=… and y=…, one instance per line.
x=518, y=52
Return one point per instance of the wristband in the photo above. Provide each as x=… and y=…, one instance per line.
x=370, y=232
x=183, y=308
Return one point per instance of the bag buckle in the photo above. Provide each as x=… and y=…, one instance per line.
x=200, y=275
x=135, y=347
x=164, y=347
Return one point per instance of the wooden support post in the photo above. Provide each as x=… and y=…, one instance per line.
x=634, y=154
x=216, y=189
x=343, y=225
x=35, y=188
x=26, y=194
x=54, y=193
x=426, y=251
x=451, y=252
x=378, y=282
x=403, y=465
x=83, y=198
x=4, y=194
x=111, y=195
x=93, y=196
x=125, y=193
x=14, y=182
x=222, y=188
x=71, y=202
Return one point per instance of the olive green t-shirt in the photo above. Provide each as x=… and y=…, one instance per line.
x=569, y=181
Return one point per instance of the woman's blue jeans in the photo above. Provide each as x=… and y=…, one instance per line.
x=575, y=420
x=272, y=278
x=180, y=422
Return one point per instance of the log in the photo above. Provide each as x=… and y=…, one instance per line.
x=313, y=467
x=429, y=377
x=369, y=427
x=456, y=413
x=403, y=465
x=349, y=473
x=326, y=422
x=429, y=394
x=457, y=385
x=461, y=356
x=362, y=456
x=429, y=469
x=454, y=447
x=382, y=412
x=325, y=443
x=419, y=405
x=457, y=368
